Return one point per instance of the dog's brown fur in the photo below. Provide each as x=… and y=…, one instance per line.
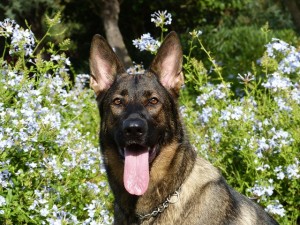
x=151, y=99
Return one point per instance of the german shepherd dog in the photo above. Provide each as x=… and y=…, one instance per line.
x=154, y=172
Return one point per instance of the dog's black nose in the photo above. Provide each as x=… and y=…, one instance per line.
x=134, y=127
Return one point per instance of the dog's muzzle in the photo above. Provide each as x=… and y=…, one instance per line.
x=138, y=154
x=134, y=129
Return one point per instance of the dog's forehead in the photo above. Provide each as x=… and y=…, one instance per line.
x=138, y=83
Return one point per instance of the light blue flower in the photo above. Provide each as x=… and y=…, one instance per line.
x=202, y=99
x=260, y=190
x=206, y=114
x=276, y=82
x=277, y=45
x=216, y=136
x=22, y=40
x=146, y=43
x=289, y=56
x=276, y=208
x=290, y=63
x=282, y=104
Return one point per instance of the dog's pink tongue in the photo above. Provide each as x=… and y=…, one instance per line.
x=136, y=171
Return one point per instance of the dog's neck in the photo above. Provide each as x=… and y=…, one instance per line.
x=171, y=199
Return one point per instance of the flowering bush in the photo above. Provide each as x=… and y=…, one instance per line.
x=50, y=166
x=254, y=137
x=51, y=171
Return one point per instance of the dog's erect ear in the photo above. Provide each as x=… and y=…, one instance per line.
x=167, y=64
x=104, y=65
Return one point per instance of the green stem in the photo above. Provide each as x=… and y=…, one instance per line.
x=43, y=38
x=216, y=67
x=162, y=33
x=4, y=50
x=191, y=48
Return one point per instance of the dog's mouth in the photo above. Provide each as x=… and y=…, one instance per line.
x=137, y=160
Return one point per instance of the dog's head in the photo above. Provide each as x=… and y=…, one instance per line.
x=138, y=111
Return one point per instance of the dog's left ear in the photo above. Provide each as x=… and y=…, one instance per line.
x=167, y=64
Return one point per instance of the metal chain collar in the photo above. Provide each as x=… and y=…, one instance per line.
x=161, y=207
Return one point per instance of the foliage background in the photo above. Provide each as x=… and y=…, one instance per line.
x=229, y=25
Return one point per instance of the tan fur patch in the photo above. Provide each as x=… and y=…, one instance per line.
x=113, y=161
x=247, y=216
x=202, y=173
x=162, y=163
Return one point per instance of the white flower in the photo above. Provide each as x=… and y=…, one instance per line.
x=8, y=26
x=103, y=183
x=55, y=57
x=91, y=212
x=53, y=119
x=263, y=167
x=33, y=205
x=161, y=18
x=295, y=94
x=54, y=221
x=42, y=201
x=196, y=33
x=279, y=172
x=293, y=171
x=31, y=165
x=280, y=176
x=2, y=201
x=44, y=212
x=247, y=78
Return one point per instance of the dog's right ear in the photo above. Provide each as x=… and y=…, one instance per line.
x=167, y=64
x=104, y=65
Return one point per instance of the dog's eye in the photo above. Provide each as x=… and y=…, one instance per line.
x=153, y=101
x=117, y=101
